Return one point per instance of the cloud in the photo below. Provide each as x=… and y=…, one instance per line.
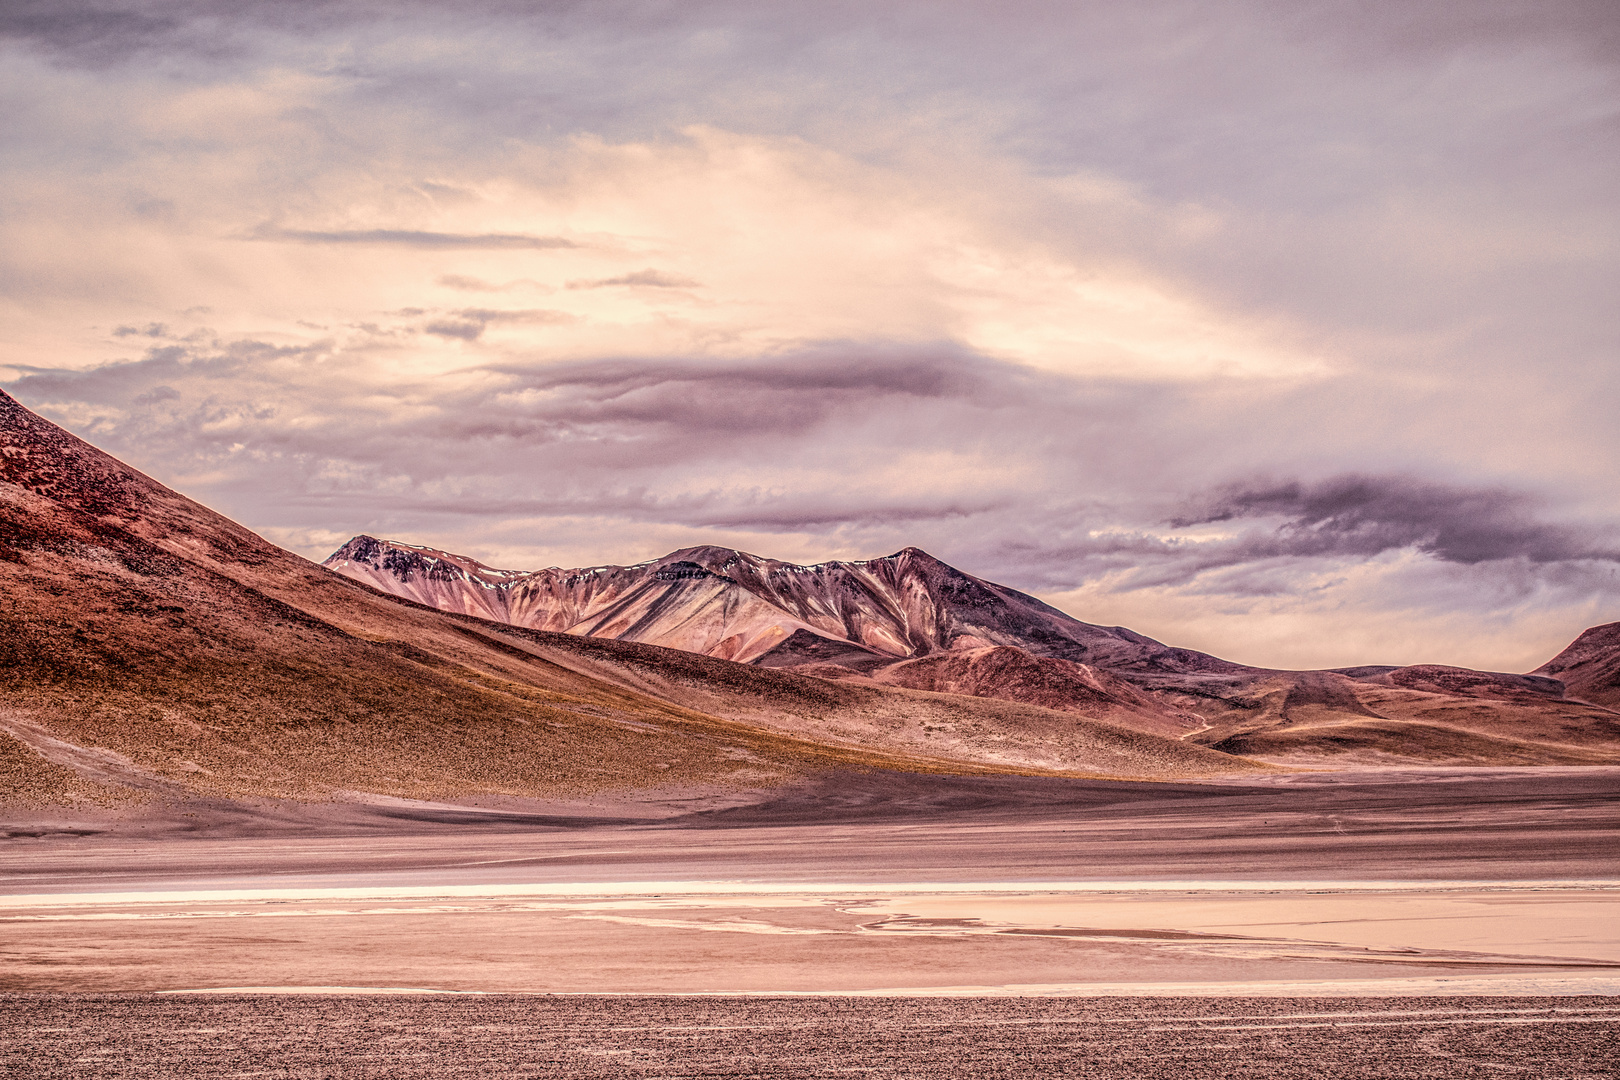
x=157, y=394
x=1079, y=491
x=465, y=329
x=416, y=238
x=652, y=279
x=93, y=32
x=469, y=324
x=983, y=455
x=467, y=284
x=1367, y=515
x=610, y=426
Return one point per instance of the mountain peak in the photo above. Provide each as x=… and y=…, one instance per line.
x=915, y=554
x=739, y=606
x=711, y=557
x=360, y=548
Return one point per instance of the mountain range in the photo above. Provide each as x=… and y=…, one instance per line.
x=152, y=649
x=910, y=620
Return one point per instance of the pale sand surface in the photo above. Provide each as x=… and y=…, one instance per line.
x=716, y=938
x=876, y=883
x=1472, y=986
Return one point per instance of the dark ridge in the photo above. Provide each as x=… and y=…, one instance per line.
x=805, y=647
x=360, y=549
x=682, y=571
x=1365, y=671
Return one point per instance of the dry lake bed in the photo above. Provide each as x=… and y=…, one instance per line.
x=1444, y=923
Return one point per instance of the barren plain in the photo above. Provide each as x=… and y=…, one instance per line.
x=1417, y=923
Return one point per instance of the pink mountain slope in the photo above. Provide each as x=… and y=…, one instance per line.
x=738, y=606
x=909, y=620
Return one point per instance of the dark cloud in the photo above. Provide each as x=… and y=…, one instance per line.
x=1276, y=535
x=154, y=209
x=415, y=238
x=943, y=371
x=465, y=329
x=515, y=315
x=157, y=394
x=90, y=31
x=469, y=324
x=661, y=405
x=1366, y=515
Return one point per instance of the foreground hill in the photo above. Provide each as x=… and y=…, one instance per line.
x=909, y=620
x=150, y=647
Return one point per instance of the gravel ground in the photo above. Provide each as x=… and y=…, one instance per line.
x=88, y=1037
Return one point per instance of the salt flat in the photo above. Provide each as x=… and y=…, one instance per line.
x=701, y=937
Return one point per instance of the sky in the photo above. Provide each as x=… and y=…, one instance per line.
x=1282, y=330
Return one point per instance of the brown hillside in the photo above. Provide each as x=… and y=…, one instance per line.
x=147, y=643
x=1590, y=667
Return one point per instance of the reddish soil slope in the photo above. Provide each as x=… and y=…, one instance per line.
x=1590, y=667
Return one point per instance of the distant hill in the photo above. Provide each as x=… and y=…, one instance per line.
x=910, y=620
x=833, y=619
x=727, y=603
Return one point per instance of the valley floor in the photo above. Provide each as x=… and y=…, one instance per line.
x=1411, y=923
x=1413, y=881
